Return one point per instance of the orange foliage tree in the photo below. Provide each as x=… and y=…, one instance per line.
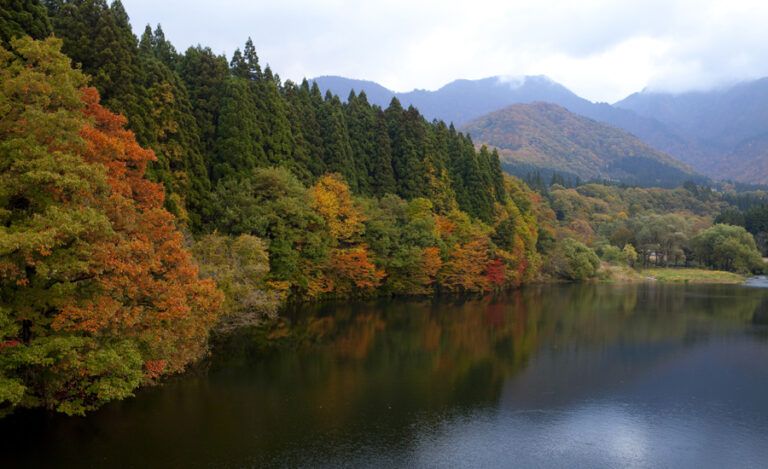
x=148, y=285
x=350, y=269
x=353, y=269
x=97, y=293
x=463, y=271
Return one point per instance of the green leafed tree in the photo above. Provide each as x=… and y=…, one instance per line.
x=727, y=247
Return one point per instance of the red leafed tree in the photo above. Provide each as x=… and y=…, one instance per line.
x=495, y=273
x=148, y=286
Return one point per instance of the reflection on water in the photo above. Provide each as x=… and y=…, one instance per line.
x=557, y=376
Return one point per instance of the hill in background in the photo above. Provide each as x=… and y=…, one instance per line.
x=547, y=137
x=728, y=126
x=722, y=133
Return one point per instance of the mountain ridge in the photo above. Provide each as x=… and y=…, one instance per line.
x=462, y=100
x=722, y=133
x=548, y=136
x=729, y=124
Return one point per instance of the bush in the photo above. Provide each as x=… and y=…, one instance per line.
x=612, y=254
x=574, y=261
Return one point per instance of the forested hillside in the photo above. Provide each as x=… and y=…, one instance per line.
x=150, y=196
x=462, y=101
x=117, y=170
x=542, y=136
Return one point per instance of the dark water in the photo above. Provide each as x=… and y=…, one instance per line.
x=562, y=376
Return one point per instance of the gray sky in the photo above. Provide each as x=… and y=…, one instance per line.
x=602, y=50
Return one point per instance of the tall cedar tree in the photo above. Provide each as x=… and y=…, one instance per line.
x=204, y=75
x=23, y=18
x=338, y=149
x=173, y=135
x=135, y=80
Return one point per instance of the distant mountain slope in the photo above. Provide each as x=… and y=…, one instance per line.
x=548, y=136
x=728, y=127
x=341, y=87
x=463, y=100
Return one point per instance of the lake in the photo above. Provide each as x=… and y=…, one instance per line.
x=553, y=376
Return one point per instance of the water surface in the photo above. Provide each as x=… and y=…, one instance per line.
x=558, y=376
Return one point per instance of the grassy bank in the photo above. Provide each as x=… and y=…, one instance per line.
x=670, y=275
x=610, y=273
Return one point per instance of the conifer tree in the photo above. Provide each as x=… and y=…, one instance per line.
x=381, y=176
x=239, y=141
x=99, y=37
x=361, y=124
x=337, y=148
x=204, y=75
x=312, y=105
x=23, y=18
x=407, y=137
x=301, y=152
x=276, y=127
x=163, y=49
x=176, y=141
x=237, y=65
x=251, y=60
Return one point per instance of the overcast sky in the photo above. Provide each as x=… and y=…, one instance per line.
x=602, y=50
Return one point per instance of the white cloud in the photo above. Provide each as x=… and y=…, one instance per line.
x=600, y=49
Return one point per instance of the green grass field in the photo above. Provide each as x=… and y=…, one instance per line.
x=670, y=275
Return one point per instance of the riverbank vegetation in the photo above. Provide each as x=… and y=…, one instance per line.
x=654, y=228
x=683, y=275
x=150, y=196
x=282, y=194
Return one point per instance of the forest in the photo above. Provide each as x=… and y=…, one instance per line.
x=149, y=197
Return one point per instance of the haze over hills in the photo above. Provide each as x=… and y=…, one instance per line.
x=548, y=136
x=722, y=133
x=729, y=127
x=463, y=100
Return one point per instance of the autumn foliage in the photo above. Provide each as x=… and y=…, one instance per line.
x=98, y=294
x=147, y=279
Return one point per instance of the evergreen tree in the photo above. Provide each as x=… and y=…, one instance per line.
x=301, y=150
x=176, y=141
x=406, y=133
x=154, y=43
x=239, y=140
x=205, y=75
x=245, y=64
x=23, y=18
x=313, y=128
x=99, y=37
x=439, y=183
x=361, y=123
x=337, y=147
x=251, y=60
x=237, y=65
x=305, y=105
x=380, y=172
x=276, y=126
